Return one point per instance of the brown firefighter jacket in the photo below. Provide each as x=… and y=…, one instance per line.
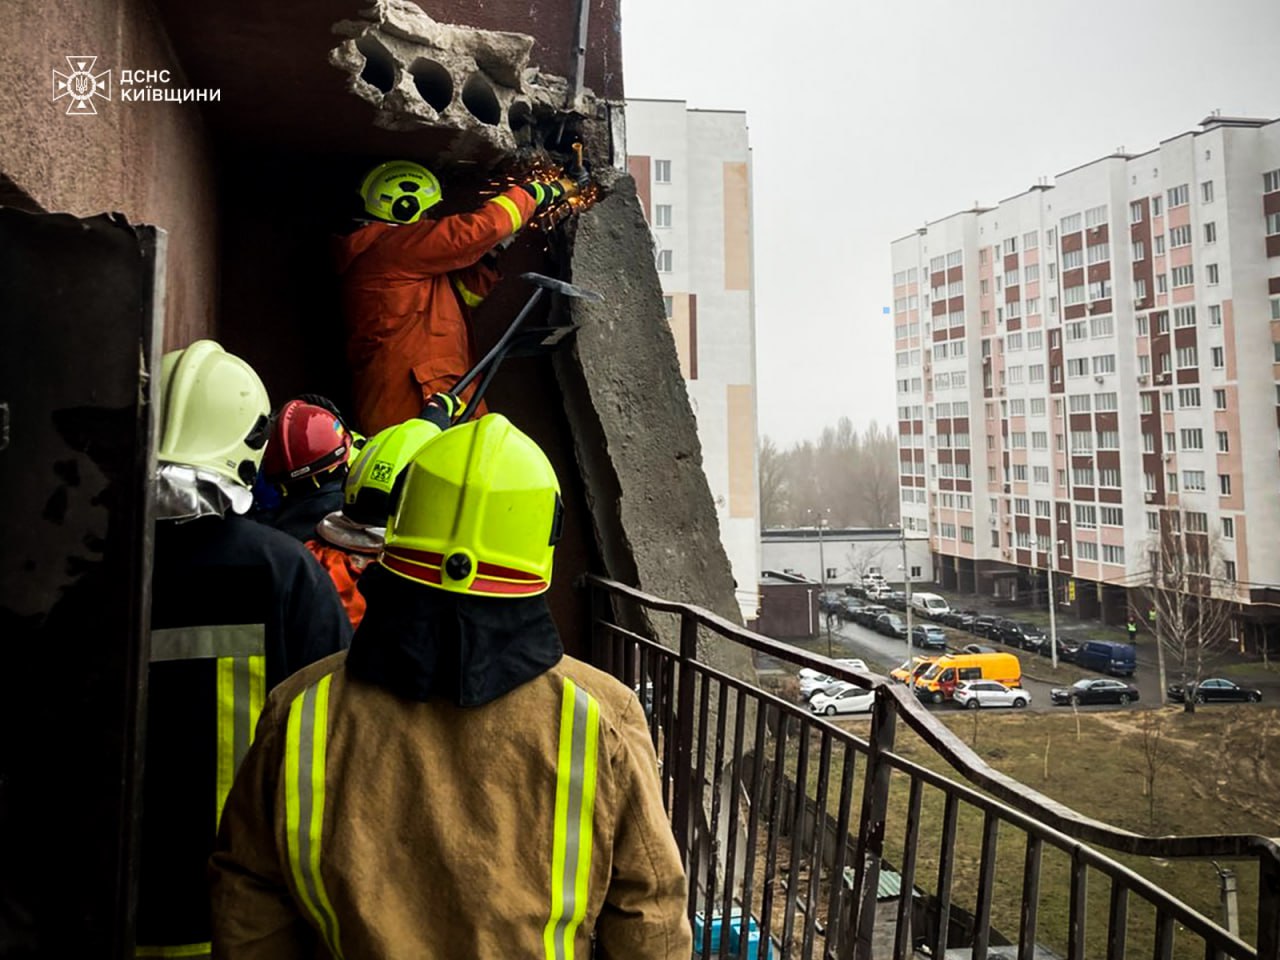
x=367, y=826
x=407, y=290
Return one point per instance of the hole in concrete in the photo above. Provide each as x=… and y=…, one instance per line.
x=434, y=83
x=379, y=66
x=479, y=98
x=520, y=119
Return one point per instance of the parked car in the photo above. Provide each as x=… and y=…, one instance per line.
x=845, y=698
x=977, y=648
x=830, y=601
x=930, y=605
x=1068, y=651
x=1215, y=690
x=1106, y=656
x=896, y=599
x=1095, y=691
x=929, y=637
x=814, y=681
x=1024, y=636
x=891, y=625
x=910, y=669
x=850, y=607
x=988, y=693
x=962, y=619
x=986, y=625
x=868, y=614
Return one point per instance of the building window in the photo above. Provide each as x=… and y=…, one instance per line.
x=1187, y=357
x=1162, y=283
x=1229, y=528
x=664, y=261
x=1108, y=439
x=1183, y=276
x=1224, y=442
x=1097, y=252
x=1071, y=224
x=1079, y=367
x=1072, y=259
x=1102, y=326
x=1135, y=212
x=1217, y=356
x=1273, y=224
x=1095, y=216
x=1148, y=443
x=1086, y=516
x=668, y=306
x=1215, y=314
x=1188, y=398
x=1184, y=316
x=1171, y=483
x=1224, y=484
x=662, y=171
x=1219, y=399
x=1040, y=475
x=662, y=218
x=1112, y=554
x=1180, y=236
x=1153, y=518
x=1211, y=274
x=1109, y=477
x=1193, y=480
x=1271, y=181
x=1159, y=244
x=1229, y=570
x=1157, y=206
x=1206, y=192
x=1144, y=364
x=1167, y=400
x=1179, y=196
x=1211, y=232
x=1149, y=484
x=1197, y=522
x=1105, y=363
x=1086, y=550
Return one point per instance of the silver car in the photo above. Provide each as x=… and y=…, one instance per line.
x=989, y=693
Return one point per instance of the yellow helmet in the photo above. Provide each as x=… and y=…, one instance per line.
x=366, y=492
x=214, y=412
x=400, y=191
x=480, y=513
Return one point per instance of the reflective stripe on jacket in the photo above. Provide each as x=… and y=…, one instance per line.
x=404, y=291
x=390, y=828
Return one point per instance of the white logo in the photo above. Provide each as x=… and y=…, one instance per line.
x=81, y=85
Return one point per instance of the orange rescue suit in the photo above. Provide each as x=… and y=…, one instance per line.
x=407, y=292
x=344, y=569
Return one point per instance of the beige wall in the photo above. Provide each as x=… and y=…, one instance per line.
x=742, y=447
x=737, y=227
x=150, y=161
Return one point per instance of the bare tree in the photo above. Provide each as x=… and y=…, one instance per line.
x=1155, y=757
x=880, y=479
x=1189, y=605
x=773, y=483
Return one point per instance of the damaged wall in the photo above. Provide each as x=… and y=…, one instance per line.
x=150, y=161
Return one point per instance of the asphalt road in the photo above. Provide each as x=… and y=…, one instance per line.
x=855, y=640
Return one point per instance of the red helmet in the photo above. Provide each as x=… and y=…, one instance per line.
x=306, y=440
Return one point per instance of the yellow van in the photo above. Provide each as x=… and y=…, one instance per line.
x=938, y=683
x=910, y=669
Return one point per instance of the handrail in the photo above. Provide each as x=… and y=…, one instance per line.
x=964, y=760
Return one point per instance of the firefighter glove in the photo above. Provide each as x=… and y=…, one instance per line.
x=442, y=409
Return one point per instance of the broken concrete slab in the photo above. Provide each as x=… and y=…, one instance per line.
x=418, y=72
x=635, y=435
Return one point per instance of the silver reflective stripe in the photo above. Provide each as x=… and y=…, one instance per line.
x=212, y=641
x=574, y=821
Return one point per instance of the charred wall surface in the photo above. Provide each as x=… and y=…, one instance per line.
x=151, y=161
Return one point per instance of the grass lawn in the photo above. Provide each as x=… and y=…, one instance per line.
x=1218, y=772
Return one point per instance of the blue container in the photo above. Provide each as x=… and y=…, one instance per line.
x=736, y=948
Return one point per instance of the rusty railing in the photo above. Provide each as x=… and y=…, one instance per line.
x=778, y=826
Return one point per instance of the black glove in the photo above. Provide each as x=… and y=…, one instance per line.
x=442, y=409
x=544, y=193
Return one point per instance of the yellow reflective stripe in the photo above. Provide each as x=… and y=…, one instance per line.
x=574, y=821
x=197, y=951
x=509, y=205
x=469, y=298
x=306, y=738
x=241, y=688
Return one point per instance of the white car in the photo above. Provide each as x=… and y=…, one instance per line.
x=813, y=681
x=988, y=693
x=844, y=698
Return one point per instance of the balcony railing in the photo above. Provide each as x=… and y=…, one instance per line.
x=779, y=827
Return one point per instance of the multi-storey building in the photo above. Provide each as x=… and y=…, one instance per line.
x=1094, y=362
x=693, y=173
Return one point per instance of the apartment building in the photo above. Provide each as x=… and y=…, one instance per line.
x=1093, y=362
x=693, y=174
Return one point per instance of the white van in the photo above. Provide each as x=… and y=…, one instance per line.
x=929, y=604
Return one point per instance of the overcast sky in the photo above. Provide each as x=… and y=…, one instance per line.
x=868, y=118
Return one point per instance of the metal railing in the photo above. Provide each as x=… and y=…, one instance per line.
x=780, y=830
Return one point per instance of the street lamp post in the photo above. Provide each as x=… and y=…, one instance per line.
x=906, y=587
x=822, y=576
x=1053, y=605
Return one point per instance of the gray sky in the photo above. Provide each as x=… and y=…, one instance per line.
x=866, y=119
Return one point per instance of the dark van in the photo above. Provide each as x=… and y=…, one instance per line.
x=1108, y=657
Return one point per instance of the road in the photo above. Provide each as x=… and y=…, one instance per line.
x=883, y=653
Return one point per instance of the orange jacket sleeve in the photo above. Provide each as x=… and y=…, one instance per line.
x=432, y=247
x=472, y=284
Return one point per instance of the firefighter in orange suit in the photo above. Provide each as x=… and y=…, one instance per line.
x=455, y=787
x=410, y=281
